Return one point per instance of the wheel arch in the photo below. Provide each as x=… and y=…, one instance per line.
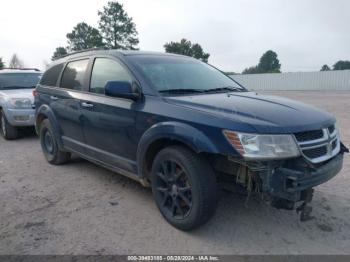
x=45, y=112
x=166, y=134
x=3, y=109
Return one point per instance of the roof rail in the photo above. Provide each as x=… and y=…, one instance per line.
x=13, y=68
x=82, y=51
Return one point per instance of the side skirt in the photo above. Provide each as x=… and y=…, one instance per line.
x=114, y=169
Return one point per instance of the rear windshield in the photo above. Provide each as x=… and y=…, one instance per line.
x=10, y=81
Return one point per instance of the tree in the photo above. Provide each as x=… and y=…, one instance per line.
x=15, y=62
x=117, y=28
x=84, y=36
x=2, y=64
x=185, y=47
x=228, y=73
x=251, y=70
x=268, y=63
x=60, y=51
x=341, y=65
x=325, y=68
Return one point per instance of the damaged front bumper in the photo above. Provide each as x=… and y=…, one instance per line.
x=293, y=181
x=284, y=183
x=289, y=183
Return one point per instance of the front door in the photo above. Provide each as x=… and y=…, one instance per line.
x=109, y=123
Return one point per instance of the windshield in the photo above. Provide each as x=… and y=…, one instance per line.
x=183, y=75
x=18, y=80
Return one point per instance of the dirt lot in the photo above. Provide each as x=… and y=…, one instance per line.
x=80, y=208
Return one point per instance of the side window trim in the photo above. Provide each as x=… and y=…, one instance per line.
x=85, y=84
x=59, y=80
x=115, y=59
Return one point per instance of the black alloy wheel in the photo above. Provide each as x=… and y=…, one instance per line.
x=174, y=191
x=184, y=187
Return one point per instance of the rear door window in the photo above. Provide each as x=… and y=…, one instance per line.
x=74, y=74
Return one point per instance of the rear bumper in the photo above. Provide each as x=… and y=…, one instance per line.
x=20, y=117
x=288, y=184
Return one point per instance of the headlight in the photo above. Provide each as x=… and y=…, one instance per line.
x=263, y=146
x=20, y=103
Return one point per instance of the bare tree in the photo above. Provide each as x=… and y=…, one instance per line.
x=2, y=64
x=15, y=62
x=46, y=64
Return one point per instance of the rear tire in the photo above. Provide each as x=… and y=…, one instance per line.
x=49, y=145
x=184, y=187
x=8, y=131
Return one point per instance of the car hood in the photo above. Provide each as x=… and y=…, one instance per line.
x=18, y=93
x=265, y=114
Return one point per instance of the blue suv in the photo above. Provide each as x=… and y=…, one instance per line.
x=185, y=129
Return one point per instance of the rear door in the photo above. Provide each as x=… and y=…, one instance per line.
x=109, y=122
x=66, y=103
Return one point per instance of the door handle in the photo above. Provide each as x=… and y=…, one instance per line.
x=85, y=104
x=53, y=97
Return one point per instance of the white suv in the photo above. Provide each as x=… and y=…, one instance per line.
x=17, y=100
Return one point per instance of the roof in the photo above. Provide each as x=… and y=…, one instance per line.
x=136, y=52
x=115, y=52
x=19, y=70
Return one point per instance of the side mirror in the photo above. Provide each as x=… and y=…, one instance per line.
x=122, y=89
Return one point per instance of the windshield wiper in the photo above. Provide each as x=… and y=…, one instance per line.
x=225, y=88
x=181, y=91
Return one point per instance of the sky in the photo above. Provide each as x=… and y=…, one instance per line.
x=304, y=33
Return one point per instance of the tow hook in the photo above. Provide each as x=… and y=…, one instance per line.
x=304, y=209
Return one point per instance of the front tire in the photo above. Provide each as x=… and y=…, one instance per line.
x=184, y=187
x=49, y=145
x=8, y=131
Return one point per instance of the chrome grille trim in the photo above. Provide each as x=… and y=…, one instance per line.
x=315, y=141
x=326, y=141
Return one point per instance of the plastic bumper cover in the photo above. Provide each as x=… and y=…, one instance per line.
x=289, y=184
x=21, y=117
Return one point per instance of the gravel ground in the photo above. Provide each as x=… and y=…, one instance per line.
x=80, y=208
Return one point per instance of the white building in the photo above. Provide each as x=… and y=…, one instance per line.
x=325, y=80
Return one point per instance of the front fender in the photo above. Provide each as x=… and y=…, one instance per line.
x=189, y=135
x=47, y=112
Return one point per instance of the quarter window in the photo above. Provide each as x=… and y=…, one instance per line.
x=73, y=75
x=105, y=70
x=51, y=75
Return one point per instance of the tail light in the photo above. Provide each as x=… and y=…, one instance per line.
x=35, y=93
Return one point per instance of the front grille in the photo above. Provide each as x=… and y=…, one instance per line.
x=315, y=152
x=318, y=145
x=309, y=135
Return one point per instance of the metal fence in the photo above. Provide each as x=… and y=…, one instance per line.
x=325, y=80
